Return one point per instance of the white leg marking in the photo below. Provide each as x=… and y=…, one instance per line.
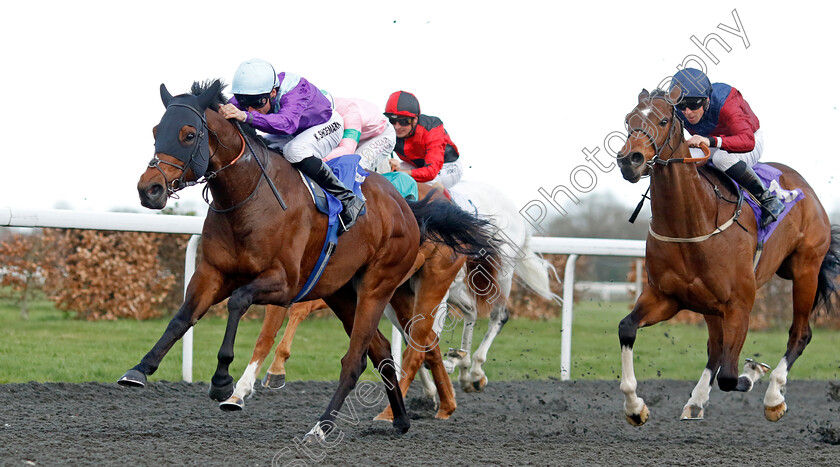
x=753, y=371
x=776, y=390
x=633, y=404
x=245, y=385
x=429, y=389
x=699, y=397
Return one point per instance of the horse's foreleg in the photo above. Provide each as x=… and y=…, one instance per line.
x=651, y=308
x=694, y=408
x=259, y=290
x=478, y=380
x=734, y=326
x=275, y=377
x=805, y=285
x=203, y=291
x=274, y=316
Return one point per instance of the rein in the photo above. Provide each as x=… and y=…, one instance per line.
x=657, y=160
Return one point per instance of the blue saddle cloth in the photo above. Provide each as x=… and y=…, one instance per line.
x=347, y=169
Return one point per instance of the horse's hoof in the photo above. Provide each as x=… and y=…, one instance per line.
x=775, y=413
x=638, y=419
x=691, y=412
x=220, y=393
x=133, y=378
x=386, y=416
x=315, y=435
x=272, y=381
x=233, y=404
x=480, y=384
x=444, y=414
x=401, y=428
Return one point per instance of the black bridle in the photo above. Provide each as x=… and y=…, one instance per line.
x=657, y=149
x=179, y=184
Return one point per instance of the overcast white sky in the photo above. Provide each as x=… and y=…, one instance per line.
x=522, y=87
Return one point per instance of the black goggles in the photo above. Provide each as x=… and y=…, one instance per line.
x=256, y=102
x=402, y=121
x=690, y=105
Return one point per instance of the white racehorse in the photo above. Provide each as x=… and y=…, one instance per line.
x=531, y=270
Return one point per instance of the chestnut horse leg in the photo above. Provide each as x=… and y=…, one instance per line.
x=651, y=308
x=806, y=270
x=205, y=289
x=422, y=340
x=275, y=377
x=274, y=317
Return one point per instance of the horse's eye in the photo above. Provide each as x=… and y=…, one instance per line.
x=189, y=137
x=663, y=122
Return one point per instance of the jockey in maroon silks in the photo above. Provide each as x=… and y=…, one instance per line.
x=718, y=116
x=425, y=149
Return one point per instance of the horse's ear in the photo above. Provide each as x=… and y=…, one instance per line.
x=674, y=95
x=643, y=95
x=208, y=95
x=164, y=95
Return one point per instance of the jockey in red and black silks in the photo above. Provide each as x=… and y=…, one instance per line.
x=424, y=147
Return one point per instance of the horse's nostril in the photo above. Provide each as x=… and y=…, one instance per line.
x=637, y=158
x=155, y=190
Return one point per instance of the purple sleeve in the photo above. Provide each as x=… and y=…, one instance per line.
x=292, y=106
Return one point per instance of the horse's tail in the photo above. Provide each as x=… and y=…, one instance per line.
x=444, y=222
x=533, y=272
x=829, y=271
x=473, y=236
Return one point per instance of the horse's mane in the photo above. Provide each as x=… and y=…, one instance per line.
x=199, y=87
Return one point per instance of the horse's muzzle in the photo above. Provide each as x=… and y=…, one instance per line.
x=632, y=166
x=153, y=196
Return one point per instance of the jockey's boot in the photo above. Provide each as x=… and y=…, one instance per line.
x=771, y=206
x=318, y=171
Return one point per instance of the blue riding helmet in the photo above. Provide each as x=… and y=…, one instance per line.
x=694, y=83
x=253, y=77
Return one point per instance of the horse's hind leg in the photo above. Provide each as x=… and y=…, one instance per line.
x=274, y=316
x=650, y=309
x=805, y=285
x=361, y=325
x=275, y=377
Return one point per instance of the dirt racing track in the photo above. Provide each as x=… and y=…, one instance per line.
x=511, y=423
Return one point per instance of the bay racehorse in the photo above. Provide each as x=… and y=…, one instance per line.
x=696, y=259
x=262, y=237
x=414, y=308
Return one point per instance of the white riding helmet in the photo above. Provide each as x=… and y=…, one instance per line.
x=254, y=77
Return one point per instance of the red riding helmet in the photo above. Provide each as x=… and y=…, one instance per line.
x=402, y=103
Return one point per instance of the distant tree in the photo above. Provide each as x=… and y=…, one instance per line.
x=602, y=215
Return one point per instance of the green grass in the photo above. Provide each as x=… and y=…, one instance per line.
x=50, y=347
